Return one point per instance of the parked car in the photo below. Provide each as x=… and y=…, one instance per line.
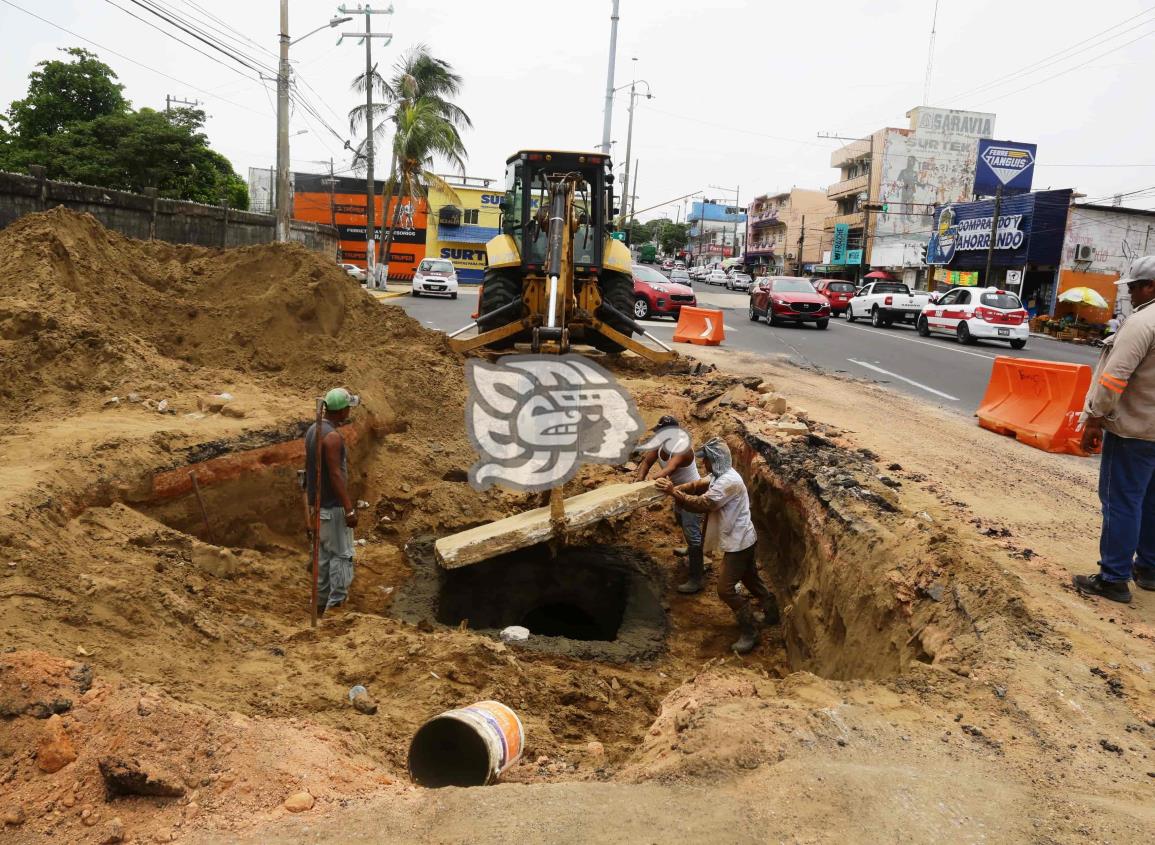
x=681, y=277
x=788, y=299
x=698, y=273
x=716, y=277
x=679, y=264
x=739, y=281
x=837, y=291
x=885, y=303
x=657, y=296
x=668, y=264
x=355, y=271
x=971, y=314
x=435, y=276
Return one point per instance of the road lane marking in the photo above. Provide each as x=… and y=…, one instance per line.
x=890, y=334
x=919, y=385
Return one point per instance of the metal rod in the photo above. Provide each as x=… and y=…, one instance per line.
x=655, y=340
x=317, y=438
x=552, y=302
x=463, y=330
x=200, y=501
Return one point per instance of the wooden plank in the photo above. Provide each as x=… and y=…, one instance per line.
x=533, y=527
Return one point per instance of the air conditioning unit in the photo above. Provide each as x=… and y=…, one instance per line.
x=789, y=256
x=1084, y=252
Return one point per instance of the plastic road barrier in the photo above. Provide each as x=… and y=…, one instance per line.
x=702, y=326
x=1036, y=402
x=471, y=746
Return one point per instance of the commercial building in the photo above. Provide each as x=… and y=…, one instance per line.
x=340, y=201
x=460, y=224
x=890, y=184
x=717, y=232
x=1099, y=245
x=784, y=232
x=1029, y=244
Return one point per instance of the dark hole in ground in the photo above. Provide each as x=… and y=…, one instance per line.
x=446, y=752
x=579, y=594
x=599, y=602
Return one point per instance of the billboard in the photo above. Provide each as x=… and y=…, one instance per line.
x=1006, y=164
x=1030, y=230
x=838, y=248
x=460, y=224
x=930, y=164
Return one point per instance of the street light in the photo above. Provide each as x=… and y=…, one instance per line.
x=283, y=210
x=626, y=197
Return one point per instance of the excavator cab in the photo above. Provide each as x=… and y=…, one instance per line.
x=555, y=275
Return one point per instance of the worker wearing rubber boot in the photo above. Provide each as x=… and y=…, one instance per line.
x=724, y=497
x=338, y=516
x=674, y=456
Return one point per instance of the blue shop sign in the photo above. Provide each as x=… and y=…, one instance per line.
x=1030, y=230
x=1009, y=164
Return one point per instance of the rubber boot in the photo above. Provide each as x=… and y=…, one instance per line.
x=693, y=584
x=748, y=630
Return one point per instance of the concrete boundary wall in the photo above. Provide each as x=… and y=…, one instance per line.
x=148, y=217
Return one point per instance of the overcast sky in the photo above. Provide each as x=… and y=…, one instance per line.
x=741, y=87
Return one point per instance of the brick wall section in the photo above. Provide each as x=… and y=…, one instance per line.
x=144, y=217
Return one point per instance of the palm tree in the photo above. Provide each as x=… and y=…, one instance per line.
x=417, y=76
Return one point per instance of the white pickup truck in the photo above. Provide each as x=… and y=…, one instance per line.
x=884, y=303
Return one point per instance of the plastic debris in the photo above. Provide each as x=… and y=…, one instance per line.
x=514, y=634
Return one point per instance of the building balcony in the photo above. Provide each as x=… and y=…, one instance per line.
x=765, y=217
x=763, y=247
x=851, y=152
x=855, y=220
x=846, y=187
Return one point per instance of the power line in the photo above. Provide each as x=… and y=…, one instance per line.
x=199, y=36
x=159, y=29
x=1058, y=56
x=132, y=60
x=238, y=36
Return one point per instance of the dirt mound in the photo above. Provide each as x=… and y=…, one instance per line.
x=85, y=312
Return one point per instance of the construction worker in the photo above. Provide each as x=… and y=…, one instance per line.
x=677, y=464
x=1119, y=415
x=724, y=497
x=338, y=516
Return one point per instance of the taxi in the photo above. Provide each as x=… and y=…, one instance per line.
x=973, y=314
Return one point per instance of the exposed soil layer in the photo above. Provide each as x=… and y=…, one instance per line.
x=929, y=682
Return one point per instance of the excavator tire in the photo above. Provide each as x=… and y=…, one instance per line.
x=618, y=290
x=500, y=287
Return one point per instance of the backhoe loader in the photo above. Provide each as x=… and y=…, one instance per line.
x=555, y=276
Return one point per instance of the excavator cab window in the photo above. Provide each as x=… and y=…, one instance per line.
x=526, y=203
x=512, y=213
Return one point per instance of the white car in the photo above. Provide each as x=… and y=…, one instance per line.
x=971, y=314
x=717, y=277
x=739, y=281
x=435, y=277
x=355, y=271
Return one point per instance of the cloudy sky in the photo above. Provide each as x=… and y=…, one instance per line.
x=741, y=88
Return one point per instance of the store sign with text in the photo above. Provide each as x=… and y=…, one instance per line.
x=1004, y=164
x=838, y=248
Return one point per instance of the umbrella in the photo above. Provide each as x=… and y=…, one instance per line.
x=1084, y=296
x=878, y=274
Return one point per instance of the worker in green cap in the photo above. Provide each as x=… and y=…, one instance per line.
x=338, y=516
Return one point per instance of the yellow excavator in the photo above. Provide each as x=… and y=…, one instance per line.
x=555, y=275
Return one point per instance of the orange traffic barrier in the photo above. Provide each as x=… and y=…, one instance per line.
x=1036, y=402
x=702, y=326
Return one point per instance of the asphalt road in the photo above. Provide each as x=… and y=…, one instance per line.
x=937, y=369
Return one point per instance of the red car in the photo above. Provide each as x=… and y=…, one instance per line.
x=657, y=296
x=837, y=291
x=788, y=299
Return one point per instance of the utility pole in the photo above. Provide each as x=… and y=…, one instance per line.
x=609, y=107
x=994, y=233
x=630, y=133
x=634, y=191
x=169, y=101
x=283, y=200
x=332, y=182
x=373, y=275
x=801, y=244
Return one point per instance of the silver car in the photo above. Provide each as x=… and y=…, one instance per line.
x=739, y=281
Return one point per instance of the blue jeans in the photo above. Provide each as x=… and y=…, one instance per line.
x=1127, y=491
x=691, y=524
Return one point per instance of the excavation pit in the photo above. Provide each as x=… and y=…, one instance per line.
x=596, y=602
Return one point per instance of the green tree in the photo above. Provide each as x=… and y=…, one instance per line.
x=673, y=237
x=64, y=93
x=639, y=233
x=95, y=138
x=418, y=78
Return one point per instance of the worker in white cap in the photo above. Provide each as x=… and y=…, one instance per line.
x=1119, y=415
x=338, y=516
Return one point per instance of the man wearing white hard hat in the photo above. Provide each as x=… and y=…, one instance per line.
x=1119, y=415
x=338, y=516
